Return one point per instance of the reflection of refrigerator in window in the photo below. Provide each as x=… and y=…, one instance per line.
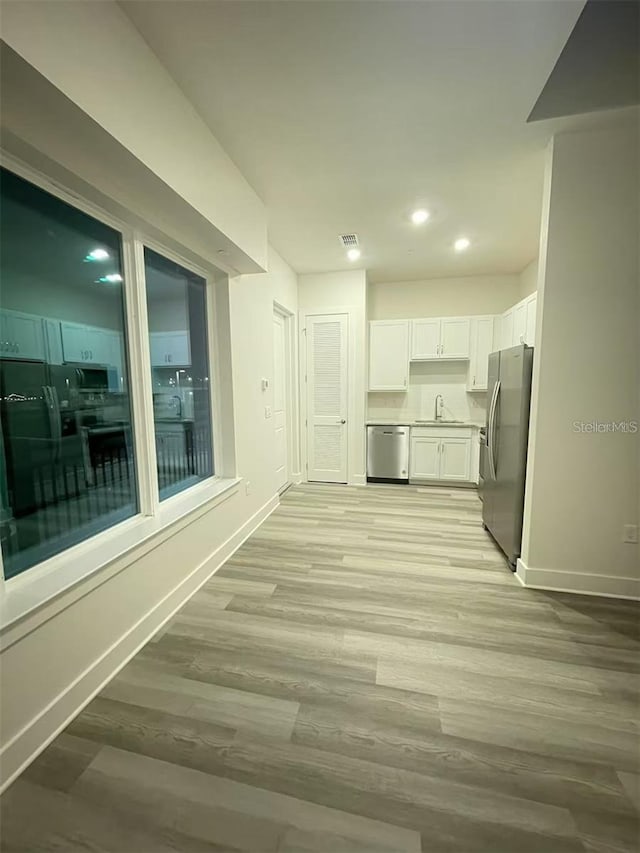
x=41, y=465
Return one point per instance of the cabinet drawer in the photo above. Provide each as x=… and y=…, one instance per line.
x=441, y=432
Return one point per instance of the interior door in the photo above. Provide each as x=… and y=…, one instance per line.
x=280, y=399
x=327, y=397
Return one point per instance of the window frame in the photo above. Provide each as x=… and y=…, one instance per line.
x=34, y=587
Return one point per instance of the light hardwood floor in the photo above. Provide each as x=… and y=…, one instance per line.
x=365, y=674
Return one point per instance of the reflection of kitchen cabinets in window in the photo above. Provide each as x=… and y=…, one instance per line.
x=170, y=349
x=21, y=336
x=53, y=342
x=89, y=344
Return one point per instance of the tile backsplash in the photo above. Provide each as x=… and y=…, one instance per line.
x=426, y=380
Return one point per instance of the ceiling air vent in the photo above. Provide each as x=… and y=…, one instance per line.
x=349, y=241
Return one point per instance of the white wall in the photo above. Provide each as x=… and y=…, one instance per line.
x=54, y=659
x=74, y=46
x=529, y=279
x=426, y=381
x=57, y=657
x=443, y=297
x=583, y=486
x=253, y=298
x=343, y=292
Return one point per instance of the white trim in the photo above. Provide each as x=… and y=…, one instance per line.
x=580, y=583
x=139, y=364
x=29, y=591
x=26, y=592
x=38, y=733
x=291, y=390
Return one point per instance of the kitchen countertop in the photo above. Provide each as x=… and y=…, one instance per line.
x=410, y=423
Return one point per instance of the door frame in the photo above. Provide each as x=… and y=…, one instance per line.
x=294, y=474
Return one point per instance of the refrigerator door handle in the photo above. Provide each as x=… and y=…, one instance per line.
x=491, y=428
x=55, y=419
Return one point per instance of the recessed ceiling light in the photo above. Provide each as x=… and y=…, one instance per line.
x=111, y=278
x=419, y=216
x=461, y=244
x=353, y=254
x=97, y=255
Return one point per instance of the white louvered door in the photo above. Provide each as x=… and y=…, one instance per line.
x=327, y=397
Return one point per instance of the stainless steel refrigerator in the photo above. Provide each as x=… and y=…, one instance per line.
x=509, y=393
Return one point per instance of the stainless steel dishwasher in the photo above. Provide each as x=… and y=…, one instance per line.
x=387, y=454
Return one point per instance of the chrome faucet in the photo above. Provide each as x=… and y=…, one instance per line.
x=439, y=406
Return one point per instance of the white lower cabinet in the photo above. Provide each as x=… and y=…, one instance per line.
x=424, y=458
x=455, y=459
x=440, y=453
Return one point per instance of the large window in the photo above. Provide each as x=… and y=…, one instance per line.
x=177, y=312
x=66, y=449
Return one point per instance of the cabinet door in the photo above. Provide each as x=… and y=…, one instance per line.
x=424, y=458
x=76, y=345
x=388, y=355
x=170, y=349
x=425, y=339
x=178, y=346
x=455, y=459
x=519, y=323
x=482, y=348
x=454, y=337
x=53, y=341
x=21, y=336
x=530, y=333
x=506, y=330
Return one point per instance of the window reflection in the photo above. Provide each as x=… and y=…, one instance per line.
x=177, y=312
x=66, y=456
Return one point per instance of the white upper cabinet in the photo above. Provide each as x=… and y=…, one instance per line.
x=86, y=344
x=519, y=323
x=388, y=355
x=506, y=329
x=454, y=337
x=53, y=341
x=482, y=331
x=21, y=336
x=170, y=349
x=440, y=337
x=530, y=328
x=425, y=339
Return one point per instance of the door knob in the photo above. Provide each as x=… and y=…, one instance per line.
x=343, y=421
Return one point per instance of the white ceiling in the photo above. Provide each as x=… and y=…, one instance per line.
x=344, y=116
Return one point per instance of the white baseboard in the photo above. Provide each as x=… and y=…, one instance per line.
x=581, y=583
x=30, y=741
x=358, y=480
